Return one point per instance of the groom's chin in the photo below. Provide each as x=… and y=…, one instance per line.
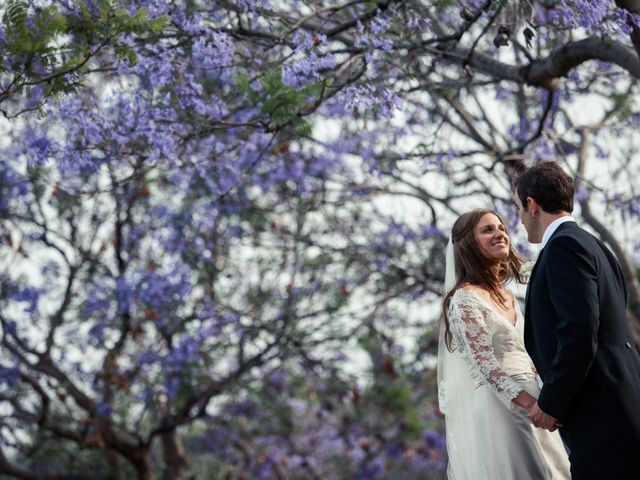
x=534, y=239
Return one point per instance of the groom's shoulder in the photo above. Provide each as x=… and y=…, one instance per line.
x=573, y=237
x=573, y=230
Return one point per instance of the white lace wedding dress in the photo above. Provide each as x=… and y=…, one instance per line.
x=488, y=436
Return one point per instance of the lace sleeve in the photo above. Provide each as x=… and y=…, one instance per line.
x=469, y=329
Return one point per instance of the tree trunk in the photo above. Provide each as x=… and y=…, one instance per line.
x=144, y=466
x=175, y=456
x=116, y=465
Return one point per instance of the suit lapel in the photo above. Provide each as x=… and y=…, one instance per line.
x=533, y=271
x=535, y=267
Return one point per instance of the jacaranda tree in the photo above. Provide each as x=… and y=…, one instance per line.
x=223, y=221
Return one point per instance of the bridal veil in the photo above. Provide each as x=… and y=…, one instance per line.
x=455, y=388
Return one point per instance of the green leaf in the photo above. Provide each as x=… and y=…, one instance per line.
x=318, y=260
x=444, y=3
x=243, y=85
x=284, y=104
x=337, y=303
x=16, y=15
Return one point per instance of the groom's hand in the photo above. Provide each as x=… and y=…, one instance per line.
x=541, y=419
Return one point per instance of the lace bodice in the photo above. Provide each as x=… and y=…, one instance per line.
x=490, y=344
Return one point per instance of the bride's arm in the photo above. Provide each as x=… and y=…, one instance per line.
x=468, y=326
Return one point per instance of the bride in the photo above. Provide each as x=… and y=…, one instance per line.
x=486, y=380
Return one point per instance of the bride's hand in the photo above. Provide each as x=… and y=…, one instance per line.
x=542, y=419
x=525, y=400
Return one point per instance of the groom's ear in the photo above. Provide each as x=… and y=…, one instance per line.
x=532, y=206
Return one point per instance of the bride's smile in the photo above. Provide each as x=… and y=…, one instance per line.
x=492, y=238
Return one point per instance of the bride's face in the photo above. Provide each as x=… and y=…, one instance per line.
x=492, y=237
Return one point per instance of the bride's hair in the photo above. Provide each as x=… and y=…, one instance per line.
x=472, y=267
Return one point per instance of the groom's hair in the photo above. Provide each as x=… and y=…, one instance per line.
x=548, y=184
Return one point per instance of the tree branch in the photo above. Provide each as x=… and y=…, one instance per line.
x=545, y=72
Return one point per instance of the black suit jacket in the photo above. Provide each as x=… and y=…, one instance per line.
x=577, y=334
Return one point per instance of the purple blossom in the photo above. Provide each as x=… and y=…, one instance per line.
x=309, y=62
x=244, y=408
x=147, y=395
x=432, y=231
x=252, y=5
x=276, y=380
x=400, y=231
x=124, y=295
x=216, y=438
x=155, y=69
x=395, y=451
x=594, y=17
x=171, y=386
x=96, y=332
x=371, y=470
x=373, y=38
x=179, y=363
x=12, y=185
x=213, y=52
x=148, y=357
x=305, y=41
x=555, y=99
x=582, y=194
x=11, y=328
x=379, y=25
x=434, y=440
x=9, y=376
x=633, y=208
x=502, y=92
x=104, y=409
x=41, y=144
x=36, y=93
x=382, y=101
x=26, y=294
x=155, y=289
x=264, y=470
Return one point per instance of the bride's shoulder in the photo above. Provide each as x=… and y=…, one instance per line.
x=470, y=288
x=469, y=291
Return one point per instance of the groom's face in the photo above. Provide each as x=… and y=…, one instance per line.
x=528, y=221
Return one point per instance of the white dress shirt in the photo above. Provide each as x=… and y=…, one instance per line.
x=553, y=226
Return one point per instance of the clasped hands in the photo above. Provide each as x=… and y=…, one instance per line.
x=537, y=416
x=541, y=419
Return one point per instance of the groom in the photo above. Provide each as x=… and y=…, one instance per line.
x=577, y=334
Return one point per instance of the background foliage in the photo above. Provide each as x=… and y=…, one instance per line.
x=223, y=222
